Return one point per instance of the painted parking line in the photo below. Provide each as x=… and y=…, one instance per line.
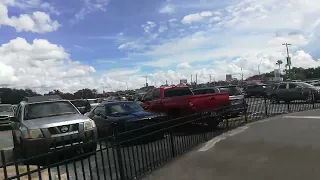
x=210, y=144
x=302, y=117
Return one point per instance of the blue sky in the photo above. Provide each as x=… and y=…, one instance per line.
x=115, y=42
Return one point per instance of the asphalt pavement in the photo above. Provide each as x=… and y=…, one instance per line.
x=282, y=147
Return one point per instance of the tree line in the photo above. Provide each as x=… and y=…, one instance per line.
x=14, y=96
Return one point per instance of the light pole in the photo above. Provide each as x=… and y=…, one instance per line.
x=260, y=64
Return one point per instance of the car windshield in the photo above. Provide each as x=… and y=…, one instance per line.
x=48, y=109
x=6, y=108
x=232, y=90
x=305, y=85
x=123, y=108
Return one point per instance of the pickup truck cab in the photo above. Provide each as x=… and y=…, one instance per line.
x=178, y=101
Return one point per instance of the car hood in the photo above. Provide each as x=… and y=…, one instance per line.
x=54, y=121
x=133, y=116
x=10, y=114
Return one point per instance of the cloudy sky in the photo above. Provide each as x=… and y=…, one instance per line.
x=73, y=44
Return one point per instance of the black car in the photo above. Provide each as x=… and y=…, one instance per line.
x=257, y=90
x=114, y=117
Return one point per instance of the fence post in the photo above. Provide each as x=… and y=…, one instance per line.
x=119, y=155
x=265, y=105
x=4, y=165
x=313, y=101
x=172, y=144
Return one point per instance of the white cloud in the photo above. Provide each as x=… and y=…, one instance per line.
x=191, y=18
x=196, y=17
x=38, y=22
x=167, y=9
x=33, y=5
x=206, y=14
x=162, y=28
x=89, y=6
x=149, y=26
x=183, y=65
x=41, y=65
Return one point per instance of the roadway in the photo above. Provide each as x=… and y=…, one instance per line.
x=282, y=147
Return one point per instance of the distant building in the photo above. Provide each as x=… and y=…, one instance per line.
x=183, y=81
x=146, y=89
x=229, y=77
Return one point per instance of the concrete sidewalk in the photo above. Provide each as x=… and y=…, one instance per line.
x=282, y=148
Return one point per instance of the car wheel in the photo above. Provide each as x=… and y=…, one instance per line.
x=274, y=100
x=90, y=148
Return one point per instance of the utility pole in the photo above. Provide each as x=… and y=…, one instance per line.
x=146, y=80
x=196, y=79
x=191, y=80
x=241, y=74
x=260, y=64
x=166, y=82
x=288, y=57
x=127, y=85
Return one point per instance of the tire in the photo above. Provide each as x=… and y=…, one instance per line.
x=274, y=99
x=17, y=149
x=90, y=148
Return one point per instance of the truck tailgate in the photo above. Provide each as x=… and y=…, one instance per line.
x=210, y=102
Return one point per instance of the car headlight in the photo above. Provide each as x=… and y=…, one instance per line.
x=88, y=125
x=34, y=134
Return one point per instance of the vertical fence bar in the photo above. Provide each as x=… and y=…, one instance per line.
x=120, y=163
x=265, y=106
x=5, y=173
x=172, y=144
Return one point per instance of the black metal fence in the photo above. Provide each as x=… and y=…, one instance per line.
x=131, y=154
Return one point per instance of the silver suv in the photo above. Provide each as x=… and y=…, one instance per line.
x=45, y=123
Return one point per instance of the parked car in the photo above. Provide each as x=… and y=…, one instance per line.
x=178, y=101
x=113, y=117
x=82, y=105
x=44, y=123
x=257, y=90
x=6, y=112
x=238, y=103
x=290, y=91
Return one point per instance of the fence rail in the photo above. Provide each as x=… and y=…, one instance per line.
x=132, y=154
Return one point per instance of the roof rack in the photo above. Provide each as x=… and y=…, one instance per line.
x=42, y=98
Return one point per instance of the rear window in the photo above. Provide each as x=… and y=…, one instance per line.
x=48, y=109
x=174, y=92
x=233, y=91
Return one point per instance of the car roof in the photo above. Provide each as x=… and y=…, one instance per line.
x=115, y=102
x=37, y=99
x=5, y=105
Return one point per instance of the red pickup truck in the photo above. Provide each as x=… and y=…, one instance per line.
x=177, y=101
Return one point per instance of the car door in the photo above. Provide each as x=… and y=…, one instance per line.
x=294, y=92
x=281, y=91
x=98, y=115
x=16, y=123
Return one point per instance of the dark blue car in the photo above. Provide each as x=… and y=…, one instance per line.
x=114, y=117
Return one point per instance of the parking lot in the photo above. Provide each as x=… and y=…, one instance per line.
x=142, y=158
